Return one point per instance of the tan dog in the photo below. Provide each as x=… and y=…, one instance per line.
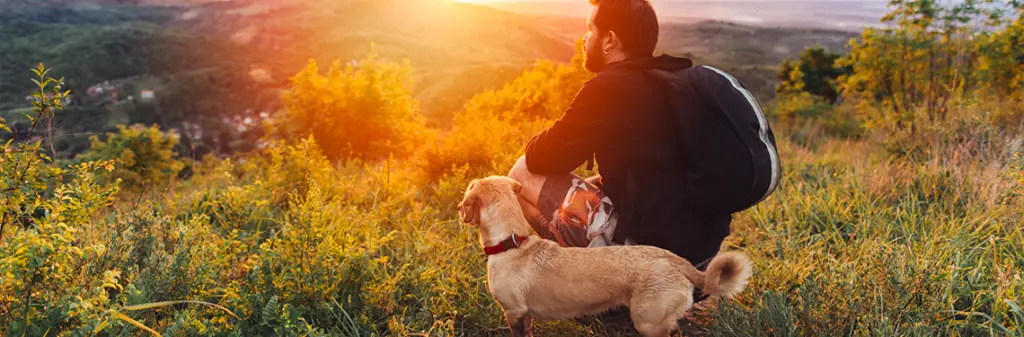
x=534, y=278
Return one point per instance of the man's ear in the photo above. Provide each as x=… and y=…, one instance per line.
x=612, y=41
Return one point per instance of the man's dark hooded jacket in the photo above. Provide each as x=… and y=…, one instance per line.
x=622, y=119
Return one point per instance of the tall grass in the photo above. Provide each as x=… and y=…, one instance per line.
x=855, y=244
x=852, y=244
x=862, y=239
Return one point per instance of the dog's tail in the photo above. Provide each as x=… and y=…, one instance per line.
x=727, y=274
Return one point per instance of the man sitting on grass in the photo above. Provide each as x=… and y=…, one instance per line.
x=679, y=148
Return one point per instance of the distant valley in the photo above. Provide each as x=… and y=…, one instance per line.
x=830, y=14
x=199, y=58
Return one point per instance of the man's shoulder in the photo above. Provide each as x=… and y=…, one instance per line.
x=616, y=80
x=619, y=74
x=624, y=77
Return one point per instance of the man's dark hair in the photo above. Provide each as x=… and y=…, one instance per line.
x=634, y=21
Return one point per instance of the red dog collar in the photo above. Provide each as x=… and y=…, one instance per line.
x=513, y=242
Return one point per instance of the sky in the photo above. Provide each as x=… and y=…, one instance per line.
x=677, y=1
x=841, y=14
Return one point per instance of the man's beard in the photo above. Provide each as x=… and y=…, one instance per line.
x=593, y=60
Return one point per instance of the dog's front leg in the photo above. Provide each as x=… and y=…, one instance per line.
x=520, y=325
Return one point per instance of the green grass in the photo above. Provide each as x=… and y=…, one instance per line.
x=852, y=244
x=898, y=248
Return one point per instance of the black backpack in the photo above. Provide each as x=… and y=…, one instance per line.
x=732, y=162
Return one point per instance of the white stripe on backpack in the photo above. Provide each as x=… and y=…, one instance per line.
x=763, y=132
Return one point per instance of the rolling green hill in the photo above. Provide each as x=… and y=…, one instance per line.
x=199, y=56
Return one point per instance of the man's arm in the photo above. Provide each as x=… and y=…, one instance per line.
x=574, y=137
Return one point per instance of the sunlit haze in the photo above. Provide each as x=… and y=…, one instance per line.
x=840, y=14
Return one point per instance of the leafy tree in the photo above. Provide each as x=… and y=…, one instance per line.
x=931, y=57
x=490, y=131
x=1004, y=52
x=814, y=71
x=363, y=110
x=145, y=155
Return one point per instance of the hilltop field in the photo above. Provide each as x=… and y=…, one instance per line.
x=297, y=170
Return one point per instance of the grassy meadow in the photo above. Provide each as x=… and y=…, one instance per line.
x=894, y=217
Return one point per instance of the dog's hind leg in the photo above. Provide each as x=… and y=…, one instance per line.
x=520, y=325
x=654, y=331
x=657, y=315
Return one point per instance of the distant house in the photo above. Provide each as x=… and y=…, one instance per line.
x=260, y=75
x=95, y=90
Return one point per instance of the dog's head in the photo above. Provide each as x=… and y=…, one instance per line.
x=488, y=192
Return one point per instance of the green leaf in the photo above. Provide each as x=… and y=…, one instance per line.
x=100, y=326
x=169, y=303
x=131, y=321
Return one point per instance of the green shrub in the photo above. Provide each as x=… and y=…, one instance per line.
x=931, y=57
x=796, y=110
x=46, y=274
x=145, y=156
x=814, y=72
x=491, y=131
x=363, y=110
x=970, y=133
x=800, y=106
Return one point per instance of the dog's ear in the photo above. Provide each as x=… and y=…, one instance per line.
x=469, y=209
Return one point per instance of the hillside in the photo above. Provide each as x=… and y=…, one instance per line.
x=481, y=46
x=751, y=53
x=200, y=59
x=900, y=204
x=212, y=64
